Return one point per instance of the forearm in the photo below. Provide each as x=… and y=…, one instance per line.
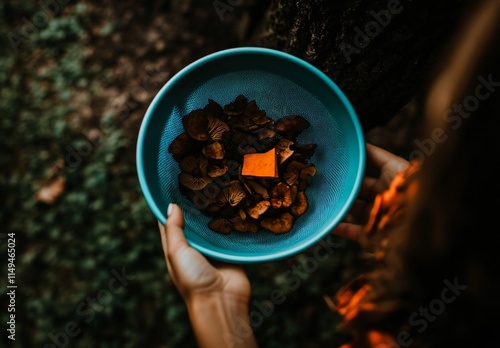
x=218, y=322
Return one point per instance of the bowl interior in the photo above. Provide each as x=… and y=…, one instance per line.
x=281, y=85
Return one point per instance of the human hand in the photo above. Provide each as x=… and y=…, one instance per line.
x=216, y=296
x=192, y=274
x=386, y=165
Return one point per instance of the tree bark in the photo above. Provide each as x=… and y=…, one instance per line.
x=379, y=52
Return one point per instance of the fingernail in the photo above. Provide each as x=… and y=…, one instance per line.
x=169, y=209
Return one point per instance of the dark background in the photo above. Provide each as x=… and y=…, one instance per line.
x=75, y=80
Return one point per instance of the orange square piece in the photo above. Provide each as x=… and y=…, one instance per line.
x=262, y=165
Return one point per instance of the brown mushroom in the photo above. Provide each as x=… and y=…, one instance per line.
x=279, y=225
x=194, y=173
x=254, y=187
x=196, y=165
x=306, y=150
x=216, y=127
x=227, y=211
x=260, y=118
x=215, y=171
x=212, y=209
x=196, y=125
x=306, y=172
x=245, y=226
x=293, y=123
x=215, y=109
x=252, y=108
x=237, y=107
x=291, y=175
x=283, y=150
x=222, y=226
x=281, y=196
x=258, y=209
x=244, y=123
x=301, y=205
x=293, y=192
x=181, y=145
x=193, y=183
x=246, y=149
x=233, y=194
x=215, y=151
x=266, y=134
x=242, y=214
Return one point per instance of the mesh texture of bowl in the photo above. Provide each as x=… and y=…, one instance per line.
x=281, y=84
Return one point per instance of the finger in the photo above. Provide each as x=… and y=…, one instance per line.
x=174, y=231
x=164, y=247
x=348, y=230
x=381, y=158
x=359, y=209
x=378, y=156
x=367, y=191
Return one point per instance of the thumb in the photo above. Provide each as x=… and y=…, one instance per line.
x=174, y=230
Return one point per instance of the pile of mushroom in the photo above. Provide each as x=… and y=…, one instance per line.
x=210, y=154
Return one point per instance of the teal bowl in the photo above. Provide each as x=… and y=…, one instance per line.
x=281, y=84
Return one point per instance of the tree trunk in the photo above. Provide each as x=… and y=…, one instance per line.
x=378, y=52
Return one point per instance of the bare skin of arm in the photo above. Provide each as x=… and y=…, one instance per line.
x=216, y=296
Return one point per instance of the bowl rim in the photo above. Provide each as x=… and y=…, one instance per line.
x=245, y=259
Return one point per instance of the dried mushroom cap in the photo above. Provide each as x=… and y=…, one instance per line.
x=307, y=171
x=252, y=108
x=306, y=150
x=216, y=127
x=293, y=123
x=293, y=192
x=242, y=214
x=223, y=226
x=283, y=150
x=261, y=119
x=254, y=187
x=192, y=182
x=281, y=196
x=246, y=226
x=258, y=209
x=243, y=123
x=237, y=107
x=291, y=175
x=233, y=194
x=212, y=209
x=279, y=225
x=246, y=149
x=215, y=109
x=215, y=151
x=215, y=172
x=195, y=165
x=266, y=134
x=300, y=205
x=196, y=125
x=181, y=145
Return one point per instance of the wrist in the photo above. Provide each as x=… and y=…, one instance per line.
x=220, y=320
